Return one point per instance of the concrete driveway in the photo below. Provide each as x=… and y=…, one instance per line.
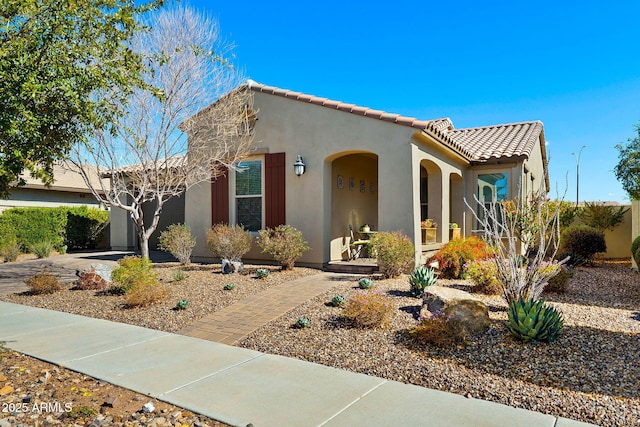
x=13, y=274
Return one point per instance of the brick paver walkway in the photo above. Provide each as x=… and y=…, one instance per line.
x=231, y=324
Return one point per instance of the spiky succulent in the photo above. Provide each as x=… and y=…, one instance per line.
x=182, y=304
x=420, y=278
x=262, y=273
x=534, y=321
x=365, y=283
x=229, y=286
x=338, y=300
x=303, y=322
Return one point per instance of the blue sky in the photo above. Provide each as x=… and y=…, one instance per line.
x=575, y=67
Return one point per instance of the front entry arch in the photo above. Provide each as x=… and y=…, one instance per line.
x=354, y=198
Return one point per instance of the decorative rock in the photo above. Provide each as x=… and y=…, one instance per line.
x=6, y=390
x=457, y=305
x=110, y=401
x=148, y=407
x=229, y=267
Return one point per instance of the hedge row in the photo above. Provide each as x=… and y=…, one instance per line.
x=74, y=227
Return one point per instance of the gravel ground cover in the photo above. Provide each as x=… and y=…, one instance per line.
x=591, y=373
x=202, y=287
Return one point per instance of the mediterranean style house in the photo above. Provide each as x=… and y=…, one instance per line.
x=327, y=167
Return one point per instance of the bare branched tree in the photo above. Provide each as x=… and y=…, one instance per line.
x=525, y=235
x=145, y=157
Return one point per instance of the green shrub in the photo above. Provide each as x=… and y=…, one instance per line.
x=229, y=241
x=452, y=257
x=439, y=329
x=85, y=227
x=635, y=245
x=43, y=283
x=534, y=321
x=7, y=233
x=365, y=283
x=41, y=249
x=420, y=278
x=284, y=243
x=132, y=271
x=601, y=216
x=483, y=274
x=583, y=240
x=303, y=322
x=229, y=287
x=370, y=310
x=575, y=260
x=178, y=241
x=262, y=273
x=394, y=252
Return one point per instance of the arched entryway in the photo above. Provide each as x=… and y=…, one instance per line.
x=431, y=193
x=354, y=197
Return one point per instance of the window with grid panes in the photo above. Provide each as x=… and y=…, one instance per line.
x=249, y=195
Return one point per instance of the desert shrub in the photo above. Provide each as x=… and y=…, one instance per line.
x=439, y=329
x=370, y=310
x=41, y=249
x=91, y=279
x=420, y=278
x=559, y=282
x=43, y=283
x=394, y=251
x=229, y=241
x=574, y=259
x=601, y=216
x=145, y=293
x=534, y=321
x=10, y=251
x=284, y=243
x=179, y=275
x=583, y=240
x=131, y=271
x=452, y=257
x=178, y=241
x=483, y=274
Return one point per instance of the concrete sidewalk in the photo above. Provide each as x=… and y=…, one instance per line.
x=239, y=386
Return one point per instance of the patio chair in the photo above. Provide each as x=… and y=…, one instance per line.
x=356, y=245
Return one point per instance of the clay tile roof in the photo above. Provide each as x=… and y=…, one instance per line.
x=507, y=140
x=474, y=144
x=339, y=105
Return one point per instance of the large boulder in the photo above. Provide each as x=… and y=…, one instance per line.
x=457, y=305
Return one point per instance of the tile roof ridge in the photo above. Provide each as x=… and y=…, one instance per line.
x=342, y=106
x=501, y=125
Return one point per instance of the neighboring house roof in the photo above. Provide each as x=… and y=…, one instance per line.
x=63, y=180
x=474, y=144
x=159, y=164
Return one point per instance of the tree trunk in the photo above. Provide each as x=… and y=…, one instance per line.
x=144, y=245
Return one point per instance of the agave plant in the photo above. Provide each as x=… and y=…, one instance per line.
x=534, y=321
x=182, y=304
x=365, y=283
x=262, y=273
x=338, y=300
x=229, y=286
x=303, y=322
x=420, y=278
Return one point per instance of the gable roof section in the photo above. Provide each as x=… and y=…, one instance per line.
x=474, y=144
x=499, y=141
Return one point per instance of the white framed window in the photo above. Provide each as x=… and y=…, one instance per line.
x=492, y=187
x=248, y=194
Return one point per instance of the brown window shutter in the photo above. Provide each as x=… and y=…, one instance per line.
x=274, y=189
x=220, y=199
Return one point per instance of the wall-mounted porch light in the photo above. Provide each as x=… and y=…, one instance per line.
x=299, y=166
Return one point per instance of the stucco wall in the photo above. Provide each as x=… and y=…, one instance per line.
x=31, y=197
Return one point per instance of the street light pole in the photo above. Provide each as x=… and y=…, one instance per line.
x=578, y=173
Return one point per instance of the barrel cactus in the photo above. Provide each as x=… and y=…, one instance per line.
x=420, y=278
x=534, y=321
x=365, y=283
